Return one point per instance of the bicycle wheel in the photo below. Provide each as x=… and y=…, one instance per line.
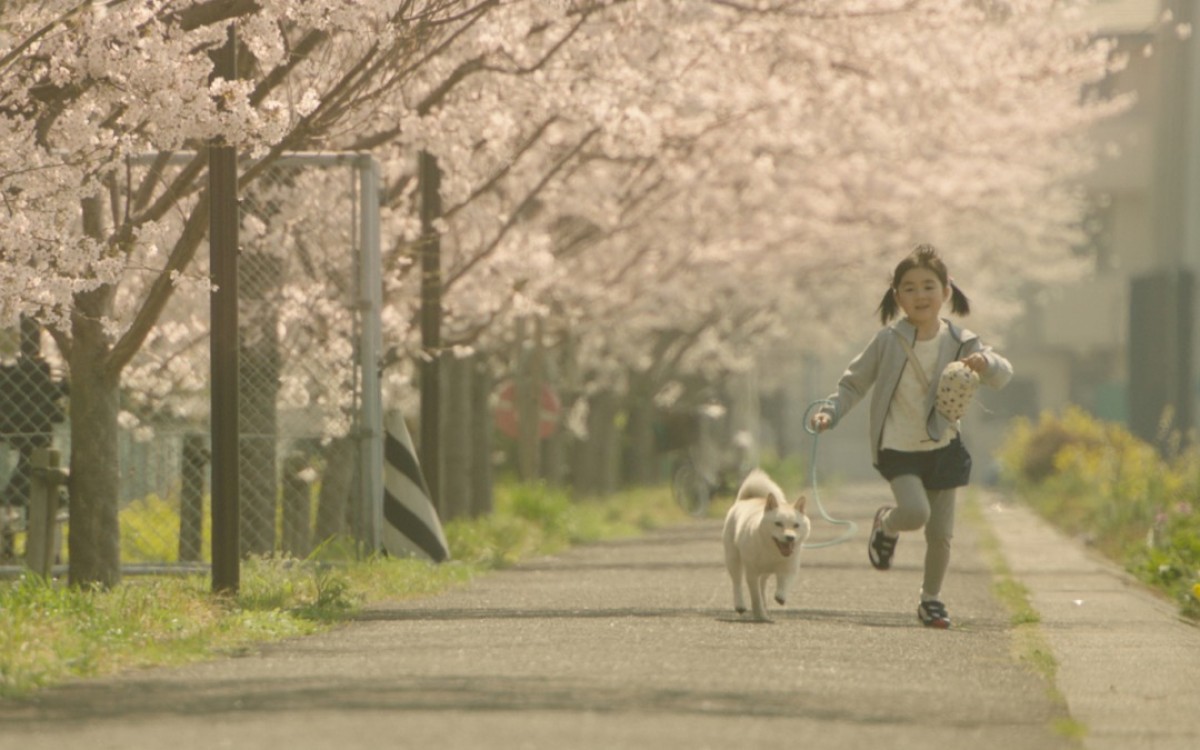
x=690, y=490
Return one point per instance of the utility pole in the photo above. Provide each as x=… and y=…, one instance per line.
x=429, y=176
x=223, y=260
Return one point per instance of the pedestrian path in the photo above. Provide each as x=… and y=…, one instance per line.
x=1129, y=667
x=634, y=644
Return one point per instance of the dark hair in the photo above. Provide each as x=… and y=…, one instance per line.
x=922, y=256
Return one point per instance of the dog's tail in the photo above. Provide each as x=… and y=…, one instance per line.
x=758, y=485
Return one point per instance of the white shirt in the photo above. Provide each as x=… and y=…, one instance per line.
x=904, y=426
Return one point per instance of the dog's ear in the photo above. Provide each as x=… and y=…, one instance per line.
x=772, y=501
x=800, y=501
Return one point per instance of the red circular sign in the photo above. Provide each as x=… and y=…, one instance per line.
x=506, y=410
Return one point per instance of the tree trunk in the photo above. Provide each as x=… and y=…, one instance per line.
x=94, y=487
x=482, y=490
x=583, y=469
x=94, y=543
x=642, y=461
x=456, y=436
x=557, y=450
x=554, y=458
x=606, y=439
x=529, y=379
x=595, y=464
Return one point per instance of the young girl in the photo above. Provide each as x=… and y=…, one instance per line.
x=913, y=446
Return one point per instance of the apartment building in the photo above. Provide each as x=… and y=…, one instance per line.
x=1123, y=344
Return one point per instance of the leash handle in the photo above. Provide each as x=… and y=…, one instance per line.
x=851, y=527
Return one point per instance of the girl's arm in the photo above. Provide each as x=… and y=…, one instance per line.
x=858, y=378
x=994, y=370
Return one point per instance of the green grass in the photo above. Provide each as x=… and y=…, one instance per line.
x=1130, y=501
x=50, y=632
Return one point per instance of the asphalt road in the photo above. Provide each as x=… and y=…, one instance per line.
x=629, y=644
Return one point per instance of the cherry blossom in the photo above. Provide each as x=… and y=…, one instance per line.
x=669, y=186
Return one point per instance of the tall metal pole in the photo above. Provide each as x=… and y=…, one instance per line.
x=223, y=251
x=430, y=178
x=371, y=301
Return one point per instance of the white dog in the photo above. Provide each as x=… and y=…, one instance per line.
x=763, y=535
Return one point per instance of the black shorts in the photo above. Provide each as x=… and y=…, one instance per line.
x=942, y=469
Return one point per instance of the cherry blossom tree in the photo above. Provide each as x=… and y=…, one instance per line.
x=676, y=186
x=86, y=84
x=754, y=164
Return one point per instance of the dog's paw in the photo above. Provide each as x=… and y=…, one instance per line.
x=781, y=600
x=740, y=610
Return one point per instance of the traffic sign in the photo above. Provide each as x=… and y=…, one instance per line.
x=506, y=410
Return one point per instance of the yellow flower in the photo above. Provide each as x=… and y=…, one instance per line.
x=1196, y=590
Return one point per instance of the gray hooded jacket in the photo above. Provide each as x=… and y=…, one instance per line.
x=881, y=365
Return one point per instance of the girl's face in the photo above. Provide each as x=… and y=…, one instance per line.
x=921, y=295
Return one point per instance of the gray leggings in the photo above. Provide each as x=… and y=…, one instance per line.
x=933, y=509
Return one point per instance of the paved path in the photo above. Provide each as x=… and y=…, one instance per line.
x=633, y=645
x=1129, y=666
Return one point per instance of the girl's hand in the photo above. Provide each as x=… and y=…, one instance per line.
x=976, y=362
x=820, y=422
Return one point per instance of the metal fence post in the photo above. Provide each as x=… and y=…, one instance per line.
x=325, y=394
x=370, y=344
x=223, y=249
x=45, y=478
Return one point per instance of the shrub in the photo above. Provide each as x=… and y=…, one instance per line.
x=1031, y=451
x=1098, y=481
x=1170, y=558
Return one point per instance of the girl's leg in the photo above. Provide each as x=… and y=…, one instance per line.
x=912, y=505
x=938, y=533
x=911, y=512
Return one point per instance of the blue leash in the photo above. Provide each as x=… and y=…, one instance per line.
x=851, y=527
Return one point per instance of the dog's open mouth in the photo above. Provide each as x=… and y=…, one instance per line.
x=786, y=546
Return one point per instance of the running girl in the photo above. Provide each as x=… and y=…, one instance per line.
x=917, y=449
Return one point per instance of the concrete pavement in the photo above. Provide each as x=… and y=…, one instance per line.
x=634, y=644
x=1129, y=667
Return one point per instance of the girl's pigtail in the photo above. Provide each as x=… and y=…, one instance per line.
x=888, y=308
x=959, y=303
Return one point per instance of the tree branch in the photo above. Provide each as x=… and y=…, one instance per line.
x=162, y=287
x=36, y=36
x=213, y=12
x=500, y=174
x=518, y=212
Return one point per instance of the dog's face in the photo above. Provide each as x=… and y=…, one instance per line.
x=786, y=523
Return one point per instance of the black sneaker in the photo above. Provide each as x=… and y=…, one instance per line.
x=933, y=614
x=881, y=546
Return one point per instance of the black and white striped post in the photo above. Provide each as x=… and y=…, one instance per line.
x=411, y=526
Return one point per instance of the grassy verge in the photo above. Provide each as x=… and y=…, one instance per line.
x=1029, y=643
x=50, y=633
x=1129, y=500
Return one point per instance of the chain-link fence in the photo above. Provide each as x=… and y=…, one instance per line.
x=31, y=413
x=308, y=408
